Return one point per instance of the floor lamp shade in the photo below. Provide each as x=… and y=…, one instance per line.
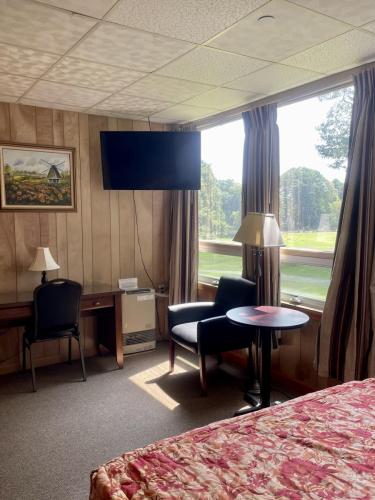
x=260, y=231
x=43, y=262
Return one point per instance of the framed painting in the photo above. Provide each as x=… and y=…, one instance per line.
x=37, y=178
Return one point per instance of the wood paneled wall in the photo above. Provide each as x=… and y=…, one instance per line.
x=95, y=245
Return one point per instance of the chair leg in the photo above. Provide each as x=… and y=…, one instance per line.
x=23, y=354
x=70, y=350
x=250, y=363
x=172, y=350
x=202, y=373
x=82, y=359
x=32, y=368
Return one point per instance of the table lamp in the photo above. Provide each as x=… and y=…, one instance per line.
x=259, y=231
x=43, y=262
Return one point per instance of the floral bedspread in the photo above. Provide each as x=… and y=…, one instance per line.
x=319, y=446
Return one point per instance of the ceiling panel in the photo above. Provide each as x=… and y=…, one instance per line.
x=94, y=8
x=211, y=66
x=67, y=95
x=128, y=116
x=293, y=29
x=182, y=113
x=14, y=85
x=192, y=20
x=8, y=98
x=125, y=103
x=27, y=62
x=89, y=74
x=166, y=89
x=274, y=78
x=369, y=27
x=221, y=98
x=31, y=25
x=356, y=12
x=44, y=104
x=348, y=50
x=129, y=48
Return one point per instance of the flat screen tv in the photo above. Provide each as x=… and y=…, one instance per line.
x=151, y=160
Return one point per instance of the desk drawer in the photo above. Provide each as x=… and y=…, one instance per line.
x=88, y=303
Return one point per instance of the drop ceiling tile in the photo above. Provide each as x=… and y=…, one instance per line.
x=37, y=26
x=182, y=113
x=66, y=95
x=14, y=85
x=356, y=12
x=93, y=8
x=192, y=20
x=221, y=98
x=211, y=66
x=92, y=75
x=369, y=27
x=343, y=52
x=125, y=103
x=129, y=48
x=101, y=112
x=274, y=78
x=44, y=104
x=293, y=29
x=8, y=98
x=26, y=62
x=166, y=89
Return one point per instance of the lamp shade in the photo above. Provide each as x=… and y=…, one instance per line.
x=260, y=230
x=43, y=260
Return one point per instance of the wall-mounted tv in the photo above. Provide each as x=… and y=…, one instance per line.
x=151, y=160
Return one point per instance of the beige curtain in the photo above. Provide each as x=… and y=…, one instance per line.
x=346, y=348
x=260, y=191
x=183, y=269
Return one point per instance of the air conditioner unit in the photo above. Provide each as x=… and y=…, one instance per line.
x=138, y=320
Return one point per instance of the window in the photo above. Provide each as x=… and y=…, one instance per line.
x=314, y=136
x=220, y=201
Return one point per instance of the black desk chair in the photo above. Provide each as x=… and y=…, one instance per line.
x=56, y=316
x=202, y=327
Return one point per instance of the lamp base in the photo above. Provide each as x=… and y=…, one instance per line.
x=44, y=277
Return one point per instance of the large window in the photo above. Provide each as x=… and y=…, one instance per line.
x=220, y=201
x=314, y=136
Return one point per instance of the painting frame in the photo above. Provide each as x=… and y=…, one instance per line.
x=57, y=184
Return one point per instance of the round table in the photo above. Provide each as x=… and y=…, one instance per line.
x=265, y=319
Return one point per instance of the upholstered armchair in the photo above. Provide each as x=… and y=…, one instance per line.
x=202, y=327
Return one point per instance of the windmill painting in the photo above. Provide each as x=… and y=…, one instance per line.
x=36, y=178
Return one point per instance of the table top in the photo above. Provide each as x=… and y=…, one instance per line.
x=274, y=318
x=26, y=298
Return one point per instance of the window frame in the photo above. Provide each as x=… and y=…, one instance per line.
x=287, y=254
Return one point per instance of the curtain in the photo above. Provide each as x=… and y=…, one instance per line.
x=346, y=348
x=260, y=191
x=183, y=269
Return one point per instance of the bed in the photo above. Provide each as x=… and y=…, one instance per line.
x=319, y=446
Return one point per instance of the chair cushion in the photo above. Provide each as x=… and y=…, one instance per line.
x=186, y=335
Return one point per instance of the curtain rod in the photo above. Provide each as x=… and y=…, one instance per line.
x=308, y=90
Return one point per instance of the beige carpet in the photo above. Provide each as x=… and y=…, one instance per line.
x=51, y=440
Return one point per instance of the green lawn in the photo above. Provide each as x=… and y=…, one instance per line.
x=316, y=240
x=297, y=279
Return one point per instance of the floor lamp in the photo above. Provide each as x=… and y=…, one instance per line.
x=259, y=231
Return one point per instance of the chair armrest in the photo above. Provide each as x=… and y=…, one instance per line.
x=193, y=311
x=217, y=334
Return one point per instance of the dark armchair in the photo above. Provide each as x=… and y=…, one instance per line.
x=202, y=327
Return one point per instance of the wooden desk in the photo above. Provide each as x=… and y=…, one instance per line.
x=103, y=302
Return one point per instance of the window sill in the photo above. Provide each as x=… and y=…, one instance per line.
x=206, y=291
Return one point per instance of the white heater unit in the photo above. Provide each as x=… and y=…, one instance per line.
x=138, y=320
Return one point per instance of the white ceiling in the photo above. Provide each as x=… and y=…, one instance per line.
x=174, y=60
